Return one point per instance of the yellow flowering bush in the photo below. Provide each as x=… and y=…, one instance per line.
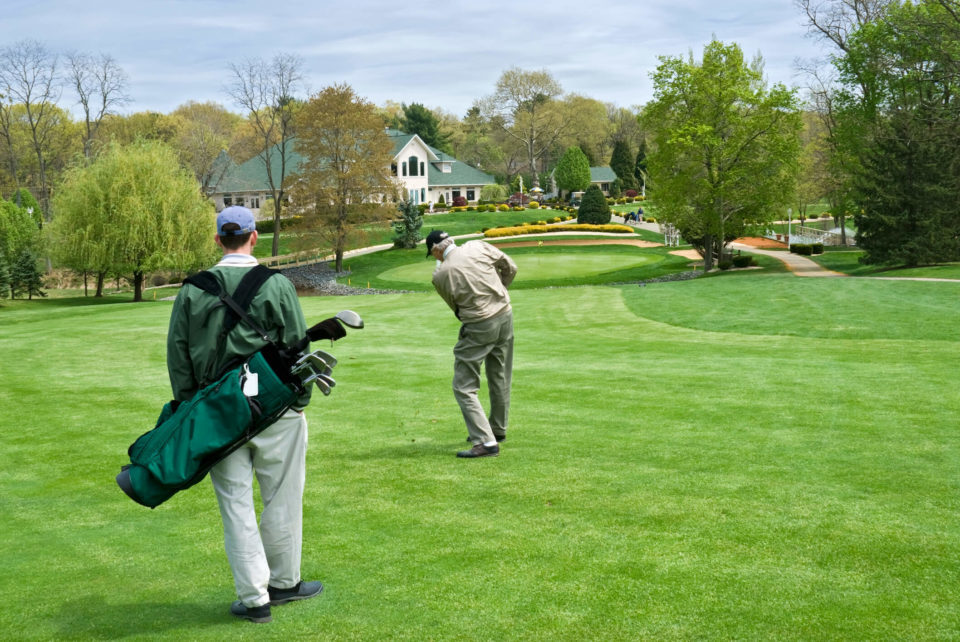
x=527, y=228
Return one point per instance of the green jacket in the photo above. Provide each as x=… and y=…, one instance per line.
x=193, y=360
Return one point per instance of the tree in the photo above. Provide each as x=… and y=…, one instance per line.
x=593, y=207
x=406, y=230
x=524, y=106
x=25, y=276
x=725, y=146
x=4, y=277
x=587, y=126
x=101, y=85
x=419, y=120
x=493, y=192
x=905, y=181
x=622, y=162
x=640, y=167
x=137, y=210
x=267, y=92
x=205, y=131
x=19, y=230
x=344, y=180
x=29, y=77
x=573, y=171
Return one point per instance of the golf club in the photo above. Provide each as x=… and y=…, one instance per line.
x=350, y=319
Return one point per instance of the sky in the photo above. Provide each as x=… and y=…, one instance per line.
x=441, y=54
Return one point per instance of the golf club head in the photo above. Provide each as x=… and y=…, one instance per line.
x=327, y=379
x=321, y=383
x=350, y=319
x=326, y=356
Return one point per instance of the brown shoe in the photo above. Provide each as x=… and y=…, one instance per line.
x=479, y=450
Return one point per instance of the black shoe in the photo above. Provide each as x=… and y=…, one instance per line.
x=258, y=614
x=479, y=450
x=302, y=591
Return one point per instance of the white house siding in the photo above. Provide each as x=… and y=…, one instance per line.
x=414, y=187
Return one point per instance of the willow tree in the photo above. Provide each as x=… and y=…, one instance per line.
x=138, y=210
x=345, y=179
x=725, y=147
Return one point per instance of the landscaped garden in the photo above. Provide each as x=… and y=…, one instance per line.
x=748, y=456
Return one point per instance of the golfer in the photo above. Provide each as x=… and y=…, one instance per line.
x=265, y=562
x=473, y=280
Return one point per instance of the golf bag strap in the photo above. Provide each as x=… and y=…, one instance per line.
x=242, y=298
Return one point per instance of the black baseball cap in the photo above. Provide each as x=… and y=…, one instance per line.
x=433, y=238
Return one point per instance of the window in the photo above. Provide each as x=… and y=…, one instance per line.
x=470, y=195
x=422, y=173
x=227, y=200
x=404, y=169
x=456, y=193
x=423, y=194
x=239, y=201
x=393, y=168
x=413, y=166
x=255, y=202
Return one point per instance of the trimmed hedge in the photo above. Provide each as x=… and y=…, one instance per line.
x=806, y=249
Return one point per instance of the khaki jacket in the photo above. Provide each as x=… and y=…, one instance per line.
x=473, y=280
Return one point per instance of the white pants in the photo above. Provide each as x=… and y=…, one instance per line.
x=270, y=555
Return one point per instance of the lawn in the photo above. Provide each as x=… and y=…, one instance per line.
x=759, y=457
x=539, y=266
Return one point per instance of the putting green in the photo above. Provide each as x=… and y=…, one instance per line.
x=537, y=267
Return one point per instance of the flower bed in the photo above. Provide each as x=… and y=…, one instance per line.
x=546, y=229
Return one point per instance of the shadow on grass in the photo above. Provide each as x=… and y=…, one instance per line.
x=409, y=448
x=83, y=618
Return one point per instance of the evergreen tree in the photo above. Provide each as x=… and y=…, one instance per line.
x=25, y=277
x=4, y=277
x=593, y=207
x=640, y=167
x=407, y=228
x=419, y=120
x=622, y=163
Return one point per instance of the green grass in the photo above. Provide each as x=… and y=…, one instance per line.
x=539, y=266
x=848, y=262
x=759, y=457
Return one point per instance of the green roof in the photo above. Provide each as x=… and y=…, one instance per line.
x=251, y=176
x=602, y=175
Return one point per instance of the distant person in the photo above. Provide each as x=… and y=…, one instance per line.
x=265, y=561
x=473, y=280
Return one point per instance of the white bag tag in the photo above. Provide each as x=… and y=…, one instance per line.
x=251, y=382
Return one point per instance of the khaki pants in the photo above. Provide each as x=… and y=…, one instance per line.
x=270, y=555
x=488, y=342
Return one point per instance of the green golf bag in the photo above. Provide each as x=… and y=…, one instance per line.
x=191, y=437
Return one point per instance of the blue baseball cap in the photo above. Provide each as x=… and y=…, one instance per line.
x=238, y=215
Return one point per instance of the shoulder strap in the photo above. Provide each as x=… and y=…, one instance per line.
x=242, y=298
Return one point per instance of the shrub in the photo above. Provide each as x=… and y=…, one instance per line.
x=725, y=264
x=518, y=208
x=743, y=260
x=459, y=201
x=534, y=205
x=630, y=192
x=503, y=207
x=802, y=249
x=594, y=208
x=817, y=248
x=528, y=228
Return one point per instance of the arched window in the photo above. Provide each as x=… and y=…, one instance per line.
x=413, y=166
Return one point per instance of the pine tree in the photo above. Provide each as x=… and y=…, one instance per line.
x=407, y=228
x=25, y=278
x=593, y=207
x=622, y=164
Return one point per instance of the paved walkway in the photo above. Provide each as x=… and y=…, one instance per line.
x=799, y=265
